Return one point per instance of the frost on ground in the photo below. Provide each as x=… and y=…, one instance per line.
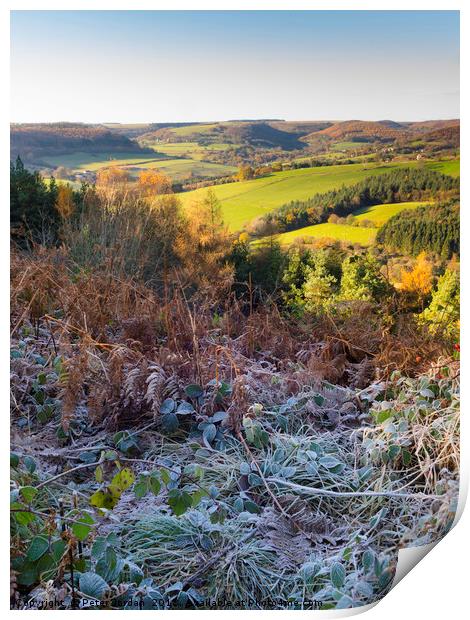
x=237, y=468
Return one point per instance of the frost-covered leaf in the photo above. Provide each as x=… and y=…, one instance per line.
x=337, y=575
x=167, y=406
x=92, y=585
x=184, y=408
x=330, y=462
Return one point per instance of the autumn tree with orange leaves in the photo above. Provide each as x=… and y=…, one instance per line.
x=418, y=282
x=112, y=177
x=205, y=245
x=65, y=204
x=153, y=183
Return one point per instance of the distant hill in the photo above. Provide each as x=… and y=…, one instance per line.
x=384, y=131
x=262, y=134
x=360, y=131
x=254, y=133
x=449, y=136
x=34, y=141
x=425, y=126
x=301, y=128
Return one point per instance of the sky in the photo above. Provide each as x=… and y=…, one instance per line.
x=170, y=66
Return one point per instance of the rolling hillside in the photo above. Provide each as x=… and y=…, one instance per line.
x=246, y=200
x=361, y=131
x=378, y=214
x=254, y=133
x=35, y=142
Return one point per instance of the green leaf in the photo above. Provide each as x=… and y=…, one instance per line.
x=30, y=464
x=165, y=476
x=337, y=575
x=99, y=547
x=283, y=422
x=181, y=600
x=393, y=451
x=28, y=575
x=194, y=391
x=252, y=507
x=179, y=501
x=14, y=459
x=406, y=456
x=197, y=496
x=92, y=585
x=170, y=423
x=110, y=566
x=28, y=494
x=365, y=473
x=58, y=549
x=155, y=484
x=83, y=527
x=37, y=547
x=22, y=518
x=110, y=455
x=312, y=468
x=45, y=565
x=287, y=472
x=382, y=416
x=319, y=400
x=141, y=488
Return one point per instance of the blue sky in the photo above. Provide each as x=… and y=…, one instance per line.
x=141, y=66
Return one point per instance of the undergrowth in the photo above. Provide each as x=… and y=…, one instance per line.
x=169, y=453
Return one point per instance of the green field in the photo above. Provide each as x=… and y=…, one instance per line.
x=73, y=184
x=341, y=232
x=351, y=234
x=379, y=214
x=191, y=150
x=95, y=161
x=176, y=168
x=246, y=200
x=181, y=168
x=348, y=146
x=449, y=166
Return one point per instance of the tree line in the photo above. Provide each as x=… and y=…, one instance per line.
x=398, y=185
x=432, y=229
